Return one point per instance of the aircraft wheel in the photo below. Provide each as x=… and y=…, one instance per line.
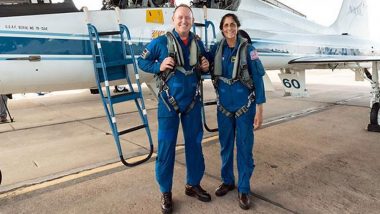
x=94, y=91
x=374, y=126
x=375, y=114
x=119, y=89
x=0, y=177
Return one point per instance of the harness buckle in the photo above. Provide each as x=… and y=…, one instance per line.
x=171, y=100
x=165, y=88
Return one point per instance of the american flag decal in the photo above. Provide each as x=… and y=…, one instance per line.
x=145, y=54
x=254, y=55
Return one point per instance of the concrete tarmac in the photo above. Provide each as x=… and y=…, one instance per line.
x=313, y=155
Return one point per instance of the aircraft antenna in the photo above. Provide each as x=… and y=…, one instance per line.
x=205, y=12
x=86, y=15
x=117, y=10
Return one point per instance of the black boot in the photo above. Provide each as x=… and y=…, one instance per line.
x=166, y=203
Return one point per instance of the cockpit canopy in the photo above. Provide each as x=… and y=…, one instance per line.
x=217, y=4
x=35, y=7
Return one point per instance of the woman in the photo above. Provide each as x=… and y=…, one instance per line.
x=239, y=86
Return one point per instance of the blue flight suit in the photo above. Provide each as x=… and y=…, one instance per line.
x=183, y=89
x=232, y=98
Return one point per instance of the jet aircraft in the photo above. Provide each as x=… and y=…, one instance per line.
x=45, y=46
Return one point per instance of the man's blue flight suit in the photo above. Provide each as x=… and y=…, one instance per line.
x=232, y=98
x=183, y=89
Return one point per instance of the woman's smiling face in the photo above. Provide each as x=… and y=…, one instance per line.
x=230, y=28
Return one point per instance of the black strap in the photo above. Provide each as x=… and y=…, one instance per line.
x=174, y=103
x=244, y=109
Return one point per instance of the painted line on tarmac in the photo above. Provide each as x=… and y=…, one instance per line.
x=77, y=175
x=294, y=115
x=109, y=166
x=69, y=121
x=26, y=188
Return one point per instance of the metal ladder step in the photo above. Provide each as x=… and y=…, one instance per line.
x=132, y=129
x=115, y=63
x=124, y=97
x=109, y=33
x=197, y=24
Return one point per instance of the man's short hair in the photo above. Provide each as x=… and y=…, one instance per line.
x=183, y=5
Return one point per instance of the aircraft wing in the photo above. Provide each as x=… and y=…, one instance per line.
x=333, y=59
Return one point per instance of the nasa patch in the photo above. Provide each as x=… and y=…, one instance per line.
x=254, y=55
x=145, y=53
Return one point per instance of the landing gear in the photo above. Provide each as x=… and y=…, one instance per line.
x=374, y=125
x=120, y=88
x=3, y=102
x=94, y=91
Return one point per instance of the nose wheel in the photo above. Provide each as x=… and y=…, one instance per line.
x=374, y=125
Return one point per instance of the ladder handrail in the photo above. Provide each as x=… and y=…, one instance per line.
x=97, y=46
x=207, y=24
x=93, y=32
x=143, y=112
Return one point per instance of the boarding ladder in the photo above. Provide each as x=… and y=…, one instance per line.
x=206, y=25
x=107, y=70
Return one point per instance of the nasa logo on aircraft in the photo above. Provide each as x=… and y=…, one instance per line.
x=358, y=9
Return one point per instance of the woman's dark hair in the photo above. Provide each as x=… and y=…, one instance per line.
x=245, y=35
x=233, y=16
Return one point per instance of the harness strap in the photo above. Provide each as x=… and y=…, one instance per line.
x=174, y=48
x=226, y=80
x=171, y=99
x=175, y=51
x=193, y=102
x=187, y=73
x=173, y=102
x=225, y=112
x=244, y=109
x=240, y=69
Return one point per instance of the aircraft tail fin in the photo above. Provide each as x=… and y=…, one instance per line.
x=353, y=18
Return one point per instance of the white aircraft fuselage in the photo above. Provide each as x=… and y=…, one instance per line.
x=52, y=52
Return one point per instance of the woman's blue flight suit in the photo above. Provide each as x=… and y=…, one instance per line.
x=232, y=98
x=183, y=89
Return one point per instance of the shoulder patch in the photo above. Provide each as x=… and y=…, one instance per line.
x=254, y=55
x=145, y=53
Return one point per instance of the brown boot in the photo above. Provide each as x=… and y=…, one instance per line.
x=244, y=201
x=224, y=189
x=197, y=192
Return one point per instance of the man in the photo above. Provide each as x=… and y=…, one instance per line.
x=177, y=58
x=3, y=109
